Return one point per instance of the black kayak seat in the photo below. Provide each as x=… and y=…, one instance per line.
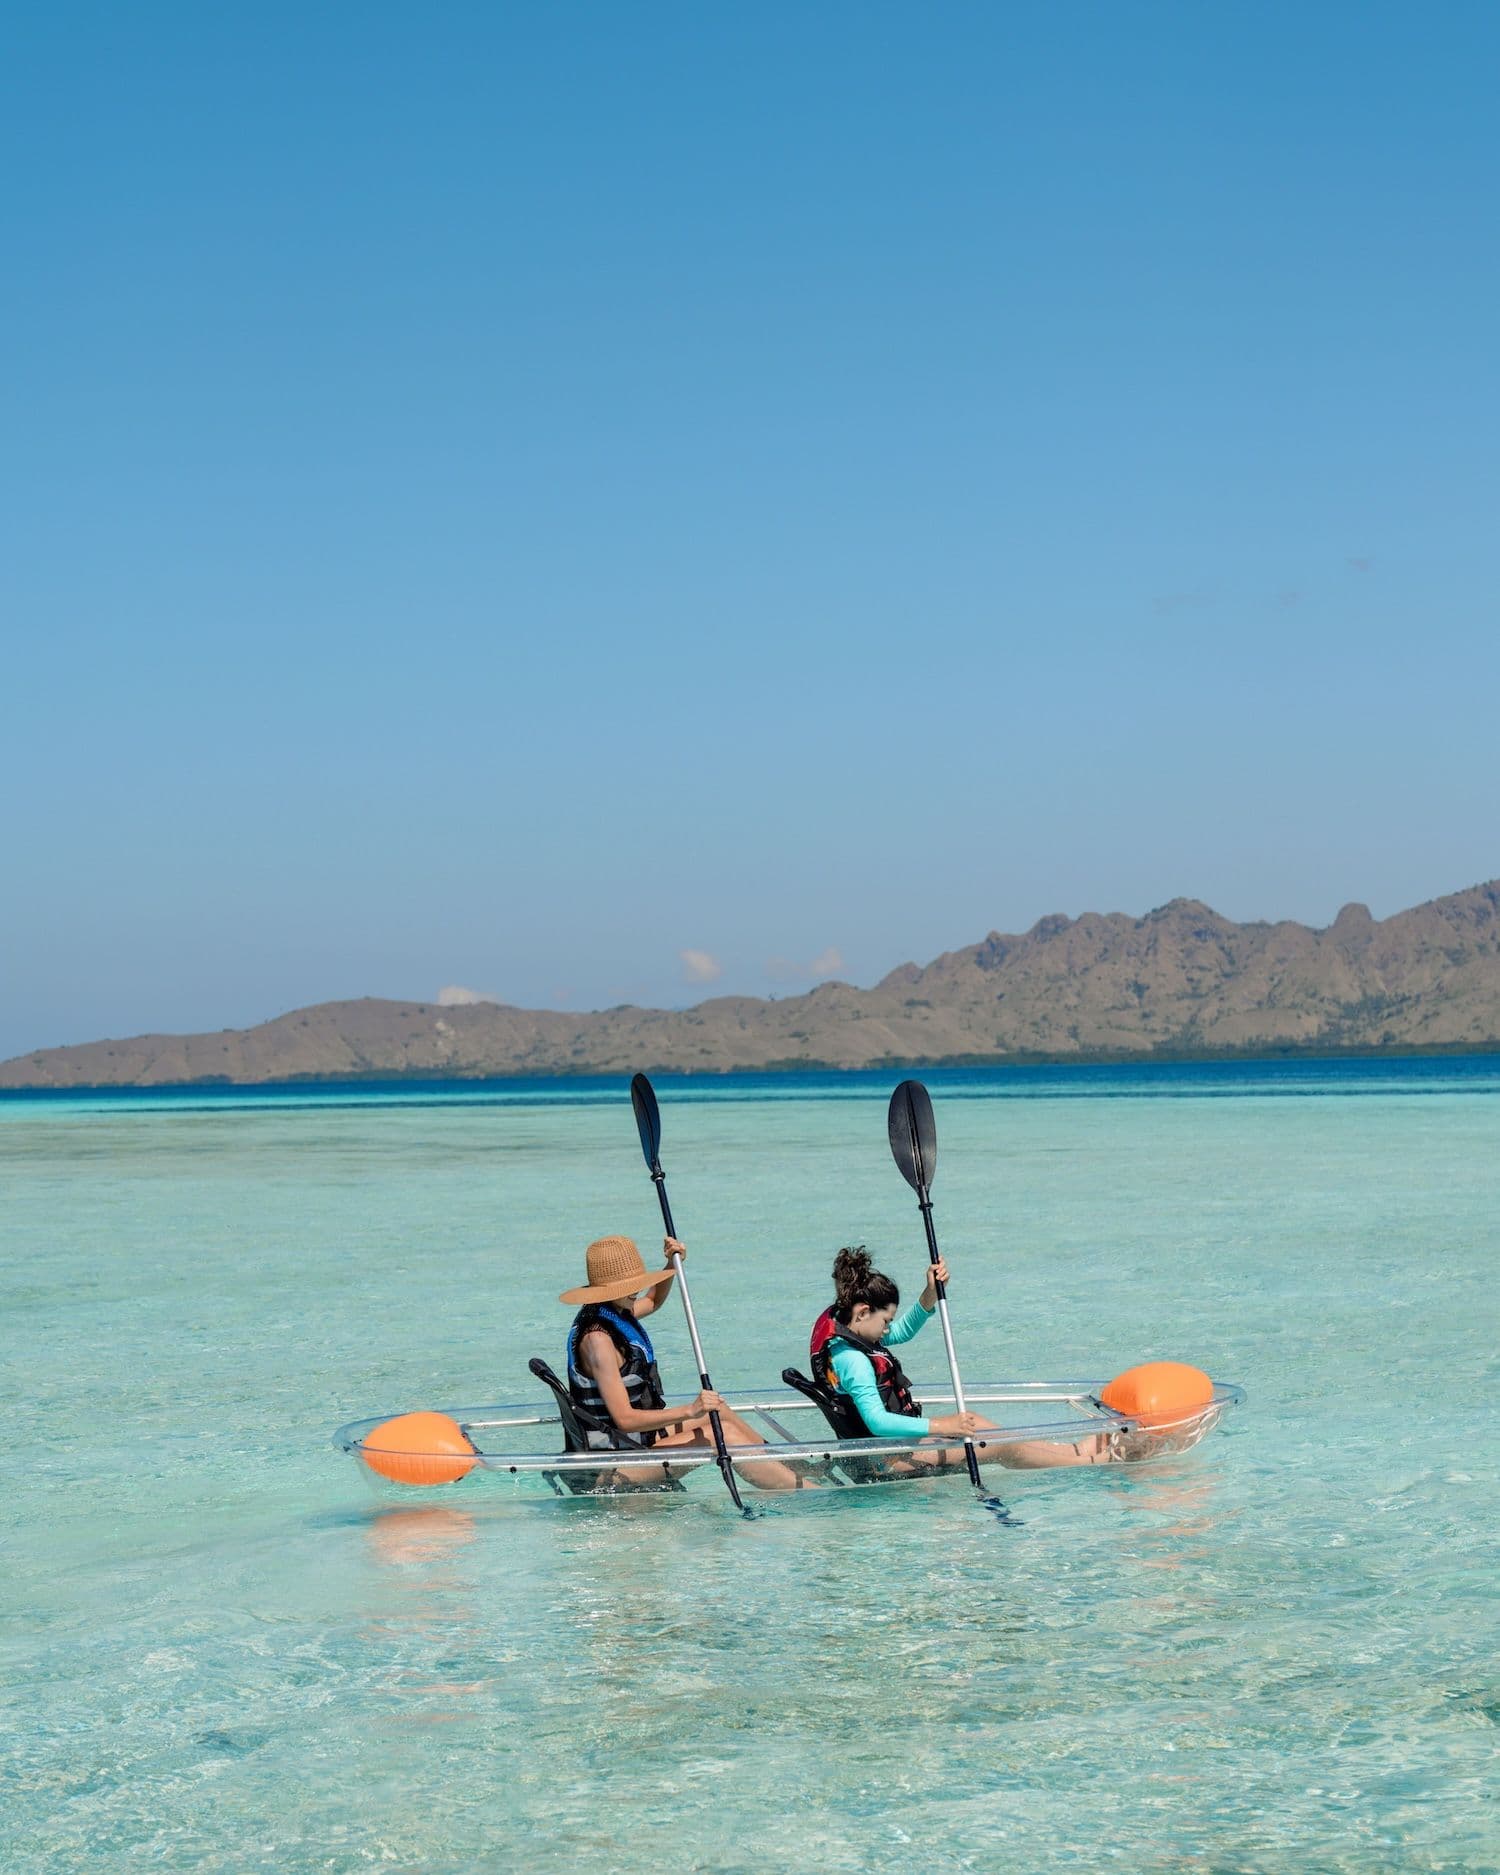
x=836, y=1411
x=574, y=1439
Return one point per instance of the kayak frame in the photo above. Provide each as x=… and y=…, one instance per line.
x=769, y=1409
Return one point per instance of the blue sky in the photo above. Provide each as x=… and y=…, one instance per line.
x=508, y=496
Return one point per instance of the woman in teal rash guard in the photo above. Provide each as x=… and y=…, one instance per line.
x=851, y=1354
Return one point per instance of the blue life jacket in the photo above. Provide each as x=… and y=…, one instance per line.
x=638, y=1374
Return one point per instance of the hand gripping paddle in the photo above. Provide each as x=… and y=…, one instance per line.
x=913, y=1134
x=648, y=1121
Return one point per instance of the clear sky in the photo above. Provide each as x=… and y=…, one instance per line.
x=505, y=496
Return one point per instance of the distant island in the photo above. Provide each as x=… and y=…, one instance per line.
x=1179, y=983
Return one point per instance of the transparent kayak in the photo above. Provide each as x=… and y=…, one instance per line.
x=794, y=1429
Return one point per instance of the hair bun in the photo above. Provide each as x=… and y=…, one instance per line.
x=851, y=1273
x=852, y=1264
x=855, y=1279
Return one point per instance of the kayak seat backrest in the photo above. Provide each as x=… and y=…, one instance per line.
x=581, y=1483
x=833, y=1409
x=573, y=1434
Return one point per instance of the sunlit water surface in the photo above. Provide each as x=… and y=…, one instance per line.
x=225, y=1652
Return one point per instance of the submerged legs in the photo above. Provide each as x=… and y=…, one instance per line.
x=768, y=1474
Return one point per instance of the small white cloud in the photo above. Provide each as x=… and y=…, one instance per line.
x=454, y=994
x=827, y=963
x=700, y=967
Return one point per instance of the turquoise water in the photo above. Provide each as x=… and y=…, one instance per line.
x=1279, y=1653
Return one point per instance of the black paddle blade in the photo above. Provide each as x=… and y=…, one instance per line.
x=913, y=1134
x=647, y=1118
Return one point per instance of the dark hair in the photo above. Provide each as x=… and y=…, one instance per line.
x=856, y=1280
x=591, y=1319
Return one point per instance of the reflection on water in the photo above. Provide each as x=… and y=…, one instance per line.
x=431, y=1612
x=420, y=1536
x=1175, y=1524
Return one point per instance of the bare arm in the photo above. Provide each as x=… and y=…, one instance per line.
x=598, y=1355
x=648, y=1305
x=939, y=1270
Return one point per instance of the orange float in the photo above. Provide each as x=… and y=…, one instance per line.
x=1159, y=1394
x=419, y=1448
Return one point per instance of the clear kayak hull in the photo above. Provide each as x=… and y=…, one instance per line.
x=505, y=1438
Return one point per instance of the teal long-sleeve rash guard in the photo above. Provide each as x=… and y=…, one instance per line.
x=856, y=1375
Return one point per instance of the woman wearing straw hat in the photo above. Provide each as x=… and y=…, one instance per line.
x=613, y=1380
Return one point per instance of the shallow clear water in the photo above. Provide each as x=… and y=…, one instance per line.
x=224, y=1652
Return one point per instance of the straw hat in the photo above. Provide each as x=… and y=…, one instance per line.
x=615, y=1269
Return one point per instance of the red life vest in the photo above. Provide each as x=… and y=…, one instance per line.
x=895, y=1391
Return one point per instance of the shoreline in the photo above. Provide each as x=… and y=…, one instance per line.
x=776, y=1070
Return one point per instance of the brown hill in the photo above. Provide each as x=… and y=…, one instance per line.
x=1181, y=980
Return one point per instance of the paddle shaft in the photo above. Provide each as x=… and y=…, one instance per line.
x=659, y=1179
x=924, y=1204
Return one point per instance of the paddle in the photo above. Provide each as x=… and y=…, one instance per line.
x=913, y=1133
x=648, y=1122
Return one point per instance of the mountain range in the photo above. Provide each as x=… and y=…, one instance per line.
x=1179, y=982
